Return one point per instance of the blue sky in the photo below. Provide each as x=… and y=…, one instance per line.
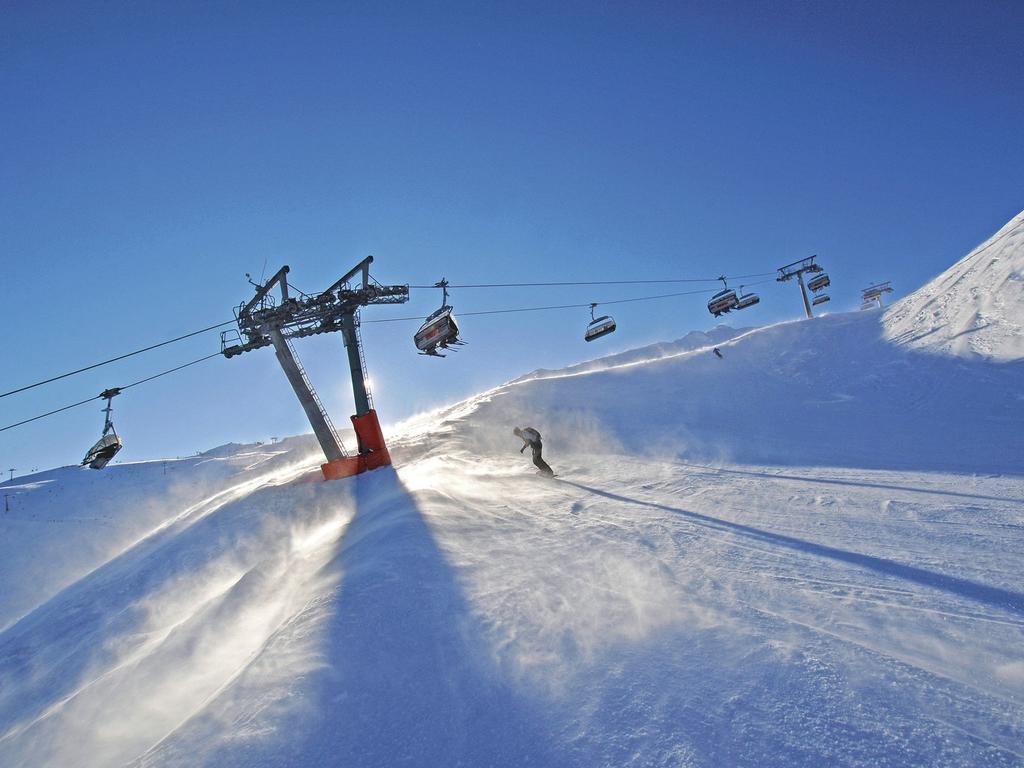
x=154, y=153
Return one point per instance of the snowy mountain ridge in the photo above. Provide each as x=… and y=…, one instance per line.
x=973, y=309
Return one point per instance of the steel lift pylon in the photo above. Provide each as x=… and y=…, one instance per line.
x=872, y=296
x=264, y=322
x=797, y=270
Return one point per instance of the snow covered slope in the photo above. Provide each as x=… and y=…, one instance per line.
x=79, y=519
x=691, y=341
x=805, y=553
x=832, y=392
x=973, y=309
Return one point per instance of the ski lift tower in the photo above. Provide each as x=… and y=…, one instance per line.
x=264, y=322
x=797, y=269
x=874, y=294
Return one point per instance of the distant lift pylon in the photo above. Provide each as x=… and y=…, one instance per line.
x=797, y=269
x=263, y=322
x=872, y=296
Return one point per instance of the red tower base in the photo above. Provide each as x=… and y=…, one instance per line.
x=373, y=452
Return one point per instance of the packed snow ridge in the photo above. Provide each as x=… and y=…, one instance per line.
x=803, y=553
x=974, y=308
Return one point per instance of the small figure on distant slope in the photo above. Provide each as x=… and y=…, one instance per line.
x=717, y=352
x=531, y=437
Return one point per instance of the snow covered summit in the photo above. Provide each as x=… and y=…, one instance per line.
x=973, y=309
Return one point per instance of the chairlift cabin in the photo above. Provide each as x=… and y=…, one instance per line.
x=439, y=330
x=820, y=299
x=723, y=301
x=819, y=282
x=598, y=327
x=109, y=443
x=747, y=299
x=103, y=451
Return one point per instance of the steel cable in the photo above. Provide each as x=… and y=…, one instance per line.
x=115, y=359
x=99, y=397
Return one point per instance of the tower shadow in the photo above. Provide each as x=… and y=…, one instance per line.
x=407, y=678
x=996, y=597
x=853, y=483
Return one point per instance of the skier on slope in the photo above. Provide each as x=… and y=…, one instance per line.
x=717, y=352
x=531, y=437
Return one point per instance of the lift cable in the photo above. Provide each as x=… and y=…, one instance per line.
x=100, y=397
x=50, y=413
x=596, y=282
x=119, y=357
x=557, y=306
x=379, y=320
x=467, y=285
x=171, y=370
x=480, y=285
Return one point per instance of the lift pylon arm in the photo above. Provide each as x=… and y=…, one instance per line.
x=261, y=323
x=363, y=266
x=798, y=268
x=297, y=318
x=279, y=277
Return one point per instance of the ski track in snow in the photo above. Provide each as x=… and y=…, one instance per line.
x=784, y=557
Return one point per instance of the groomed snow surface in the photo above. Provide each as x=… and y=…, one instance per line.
x=806, y=553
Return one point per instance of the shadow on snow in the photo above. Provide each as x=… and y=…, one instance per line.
x=983, y=593
x=854, y=483
x=407, y=678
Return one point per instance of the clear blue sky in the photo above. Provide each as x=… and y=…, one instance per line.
x=155, y=152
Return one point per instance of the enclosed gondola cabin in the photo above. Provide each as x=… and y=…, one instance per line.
x=820, y=299
x=819, y=282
